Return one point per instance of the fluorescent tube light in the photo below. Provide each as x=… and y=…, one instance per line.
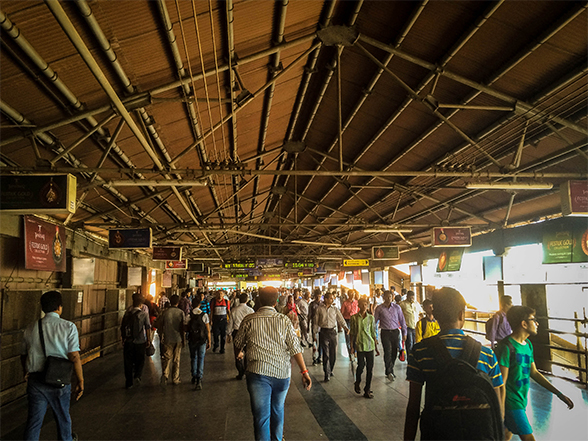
x=388, y=230
x=509, y=185
x=346, y=248
x=321, y=244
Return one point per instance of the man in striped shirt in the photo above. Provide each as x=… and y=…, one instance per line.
x=271, y=341
x=449, y=306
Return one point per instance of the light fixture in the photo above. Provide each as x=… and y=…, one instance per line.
x=328, y=258
x=321, y=244
x=509, y=186
x=387, y=230
x=156, y=183
x=345, y=248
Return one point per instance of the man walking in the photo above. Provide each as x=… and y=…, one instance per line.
x=271, y=343
x=302, y=304
x=60, y=340
x=389, y=316
x=220, y=310
x=517, y=364
x=135, y=330
x=349, y=307
x=237, y=316
x=423, y=364
x=412, y=311
x=328, y=318
x=314, y=328
x=363, y=340
x=198, y=340
x=498, y=327
x=171, y=324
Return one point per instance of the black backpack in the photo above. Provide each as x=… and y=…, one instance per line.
x=197, y=332
x=132, y=327
x=460, y=401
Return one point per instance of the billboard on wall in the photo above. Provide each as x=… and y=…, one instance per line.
x=44, y=245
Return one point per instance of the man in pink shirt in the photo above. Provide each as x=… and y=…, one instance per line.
x=348, y=308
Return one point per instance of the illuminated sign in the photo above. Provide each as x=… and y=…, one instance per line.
x=452, y=237
x=299, y=264
x=239, y=264
x=356, y=262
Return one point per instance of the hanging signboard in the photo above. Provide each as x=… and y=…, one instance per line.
x=356, y=262
x=297, y=264
x=44, y=245
x=565, y=243
x=239, y=264
x=574, y=198
x=176, y=264
x=270, y=263
x=449, y=261
x=386, y=253
x=356, y=274
x=452, y=237
x=130, y=238
x=47, y=194
x=167, y=253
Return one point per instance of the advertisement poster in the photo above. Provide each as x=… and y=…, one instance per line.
x=574, y=198
x=134, y=275
x=50, y=194
x=391, y=253
x=565, y=243
x=176, y=264
x=449, y=261
x=452, y=237
x=44, y=245
x=166, y=281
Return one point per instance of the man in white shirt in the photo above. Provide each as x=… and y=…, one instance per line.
x=412, y=314
x=60, y=340
x=328, y=318
x=237, y=316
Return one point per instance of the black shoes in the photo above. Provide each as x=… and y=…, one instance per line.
x=357, y=388
x=368, y=394
x=327, y=379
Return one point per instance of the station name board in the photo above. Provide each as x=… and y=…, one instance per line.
x=356, y=262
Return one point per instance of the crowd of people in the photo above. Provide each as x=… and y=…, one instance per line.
x=270, y=327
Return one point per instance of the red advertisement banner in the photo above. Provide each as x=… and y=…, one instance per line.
x=176, y=264
x=44, y=245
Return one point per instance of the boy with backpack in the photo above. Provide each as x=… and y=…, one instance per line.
x=464, y=389
x=198, y=340
x=135, y=330
x=515, y=355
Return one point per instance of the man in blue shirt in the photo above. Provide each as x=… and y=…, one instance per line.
x=449, y=306
x=61, y=340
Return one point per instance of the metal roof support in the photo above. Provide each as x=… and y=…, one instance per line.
x=521, y=107
x=369, y=88
x=86, y=12
x=250, y=99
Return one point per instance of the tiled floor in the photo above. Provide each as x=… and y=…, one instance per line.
x=220, y=411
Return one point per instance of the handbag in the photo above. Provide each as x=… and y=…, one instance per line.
x=57, y=371
x=150, y=350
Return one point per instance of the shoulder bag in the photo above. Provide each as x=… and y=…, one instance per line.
x=57, y=371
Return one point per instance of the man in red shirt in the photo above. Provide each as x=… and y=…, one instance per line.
x=220, y=310
x=348, y=308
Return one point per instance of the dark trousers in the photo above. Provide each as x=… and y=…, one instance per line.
x=241, y=364
x=410, y=339
x=365, y=359
x=219, y=331
x=328, y=343
x=134, y=361
x=390, y=345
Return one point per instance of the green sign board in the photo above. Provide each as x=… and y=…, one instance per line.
x=565, y=243
x=450, y=260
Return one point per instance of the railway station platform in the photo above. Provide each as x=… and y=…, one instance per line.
x=220, y=411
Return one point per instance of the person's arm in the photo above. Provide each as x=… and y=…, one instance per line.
x=418, y=332
x=413, y=410
x=23, y=362
x=305, y=376
x=341, y=321
x=74, y=357
x=402, y=322
x=492, y=331
x=208, y=333
x=539, y=378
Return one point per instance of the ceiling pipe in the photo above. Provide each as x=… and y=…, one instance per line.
x=269, y=94
x=92, y=23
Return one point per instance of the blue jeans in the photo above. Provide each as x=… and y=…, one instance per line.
x=197, y=352
x=40, y=396
x=267, y=396
x=410, y=339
